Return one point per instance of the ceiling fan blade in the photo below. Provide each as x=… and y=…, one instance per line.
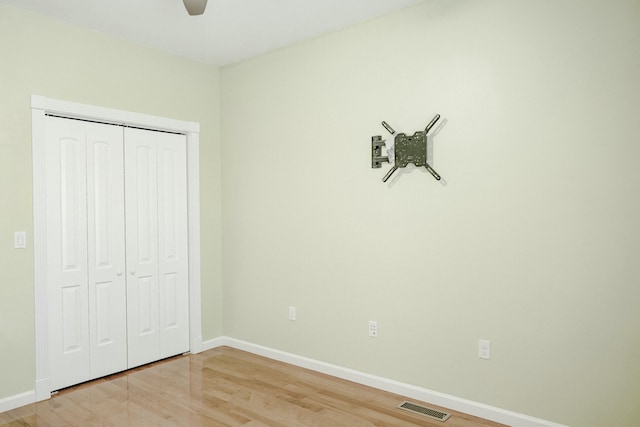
x=195, y=7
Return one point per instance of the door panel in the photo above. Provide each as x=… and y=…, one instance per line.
x=69, y=348
x=146, y=311
x=157, y=245
x=72, y=330
x=142, y=246
x=145, y=204
x=106, y=249
x=103, y=306
x=173, y=244
x=170, y=297
x=71, y=174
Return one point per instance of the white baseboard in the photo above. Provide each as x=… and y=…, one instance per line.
x=18, y=400
x=214, y=343
x=477, y=409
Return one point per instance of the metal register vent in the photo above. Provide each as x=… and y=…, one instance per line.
x=423, y=410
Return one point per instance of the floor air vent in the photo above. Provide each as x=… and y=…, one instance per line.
x=423, y=410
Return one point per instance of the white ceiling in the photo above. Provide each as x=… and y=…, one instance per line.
x=229, y=30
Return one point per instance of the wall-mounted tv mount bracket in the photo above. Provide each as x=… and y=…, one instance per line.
x=402, y=150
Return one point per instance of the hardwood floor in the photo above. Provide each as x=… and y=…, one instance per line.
x=224, y=387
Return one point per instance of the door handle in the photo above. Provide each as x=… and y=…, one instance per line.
x=132, y=272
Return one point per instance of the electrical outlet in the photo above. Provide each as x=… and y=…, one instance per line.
x=484, y=349
x=292, y=312
x=20, y=240
x=373, y=329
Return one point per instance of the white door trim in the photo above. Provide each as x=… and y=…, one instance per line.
x=40, y=107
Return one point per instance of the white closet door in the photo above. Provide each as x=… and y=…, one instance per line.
x=157, y=248
x=173, y=245
x=85, y=220
x=117, y=248
x=141, y=189
x=106, y=249
x=67, y=287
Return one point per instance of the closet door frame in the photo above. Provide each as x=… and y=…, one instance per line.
x=40, y=108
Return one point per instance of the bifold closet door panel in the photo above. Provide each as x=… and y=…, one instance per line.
x=106, y=249
x=67, y=286
x=173, y=244
x=141, y=207
x=85, y=251
x=157, y=245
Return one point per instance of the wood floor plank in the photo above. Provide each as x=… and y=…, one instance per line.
x=225, y=387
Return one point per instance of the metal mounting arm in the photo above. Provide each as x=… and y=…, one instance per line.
x=404, y=150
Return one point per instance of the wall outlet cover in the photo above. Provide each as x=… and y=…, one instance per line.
x=484, y=349
x=373, y=328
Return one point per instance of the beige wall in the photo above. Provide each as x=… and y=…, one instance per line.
x=532, y=244
x=47, y=57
